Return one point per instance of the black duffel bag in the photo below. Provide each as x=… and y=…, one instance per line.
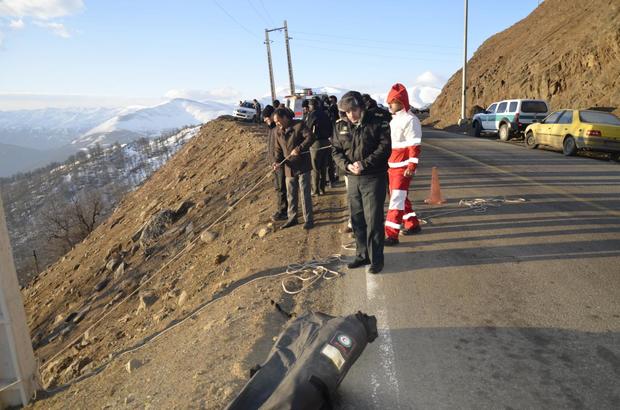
x=307, y=363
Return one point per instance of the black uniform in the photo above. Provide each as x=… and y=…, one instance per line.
x=321, y=128
x=332, y=171
x=279, y=180
x=370, y=143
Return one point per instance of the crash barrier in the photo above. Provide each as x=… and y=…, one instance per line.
x=308, y=362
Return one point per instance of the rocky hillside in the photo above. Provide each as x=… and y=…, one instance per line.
x=41, y=210
x=153, y=264
x=566, y=52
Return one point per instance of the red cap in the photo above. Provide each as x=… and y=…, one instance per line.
x=399, y=92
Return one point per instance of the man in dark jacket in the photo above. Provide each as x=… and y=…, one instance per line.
x=279, y=181
x=334, y=115
x=321, y=128
x=258, y=111
x=361, y=147
x=293, y=142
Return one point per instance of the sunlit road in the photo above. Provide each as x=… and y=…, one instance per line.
x=514, y=307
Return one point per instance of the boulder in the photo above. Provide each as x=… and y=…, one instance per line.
x=132, y=365
x=208, y=236
x=156, y=226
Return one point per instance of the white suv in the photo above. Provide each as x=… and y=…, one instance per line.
x=245, y=111
x=509, y=117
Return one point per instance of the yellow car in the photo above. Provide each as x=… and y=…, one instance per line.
x=572, y=130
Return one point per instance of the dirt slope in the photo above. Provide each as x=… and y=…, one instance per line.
x=566, y=52
x=202, y=362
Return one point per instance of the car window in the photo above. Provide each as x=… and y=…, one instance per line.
x=501, y=107
x=553, y=118
x=598, y=117
x=513, y=106
x=534, y=106
x=566, y=118
x=491, y=108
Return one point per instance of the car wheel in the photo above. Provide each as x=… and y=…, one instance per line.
x=615, y=156
x=477, y=128
x=530, y=140
x=504, y=134
x=569, y=146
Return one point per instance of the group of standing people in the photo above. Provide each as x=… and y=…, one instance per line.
x=377, y=150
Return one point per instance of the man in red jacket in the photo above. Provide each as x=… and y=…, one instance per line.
x=406, y=133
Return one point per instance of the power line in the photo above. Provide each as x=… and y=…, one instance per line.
x=257, y=13
x=365, y=46
x=373, y=40
x=400, y=57
x=266, y=12
x=235, y=20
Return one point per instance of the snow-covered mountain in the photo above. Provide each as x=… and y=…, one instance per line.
x=52, y=134
x=49, y=128
x=136, y=122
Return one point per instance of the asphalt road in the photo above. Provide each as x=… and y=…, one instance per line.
x=516, y=307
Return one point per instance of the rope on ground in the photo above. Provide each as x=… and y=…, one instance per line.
x=307, y=273
x=189, y=246
x=478, y=205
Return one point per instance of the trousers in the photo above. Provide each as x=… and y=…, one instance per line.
x=320, y=160
x=295, y=184
x=366, y=197
x=400, y=212
x=279, y=183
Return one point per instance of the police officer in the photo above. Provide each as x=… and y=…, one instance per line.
x=361, y=147
x=321, y=128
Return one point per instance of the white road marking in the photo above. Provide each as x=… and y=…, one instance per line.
x=377, y=303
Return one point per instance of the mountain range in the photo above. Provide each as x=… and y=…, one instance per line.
x=32, y=138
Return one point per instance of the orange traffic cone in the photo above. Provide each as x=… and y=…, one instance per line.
x=435, y=198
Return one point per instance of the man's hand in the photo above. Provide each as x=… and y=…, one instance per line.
x=295, y=152
x=275, y=166
x=408, y=173
x=355, y=168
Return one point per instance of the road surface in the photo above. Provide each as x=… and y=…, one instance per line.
x=512, y=308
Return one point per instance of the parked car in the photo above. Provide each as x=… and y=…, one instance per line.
x=245, y=111
x=572, y=130
x=509, y=117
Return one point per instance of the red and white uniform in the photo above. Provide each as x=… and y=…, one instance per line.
x=406, y=139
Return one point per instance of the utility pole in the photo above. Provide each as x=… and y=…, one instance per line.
x=463, y=119
x=288, y=56
x=18, y=368
x=291, y=81
x=273, y=86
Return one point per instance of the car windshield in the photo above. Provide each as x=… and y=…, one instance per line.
x=533, y=106
x=598, y=117
x=247, y=104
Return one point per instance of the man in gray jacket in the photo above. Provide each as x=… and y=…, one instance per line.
x=293, y=142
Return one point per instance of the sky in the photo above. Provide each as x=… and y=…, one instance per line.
x=119, y=52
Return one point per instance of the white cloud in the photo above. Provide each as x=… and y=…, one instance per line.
x=17, y=24
x=57, y=28
x=40, y=9
x=1, y=38
x=428, y=78
x=223, y=94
